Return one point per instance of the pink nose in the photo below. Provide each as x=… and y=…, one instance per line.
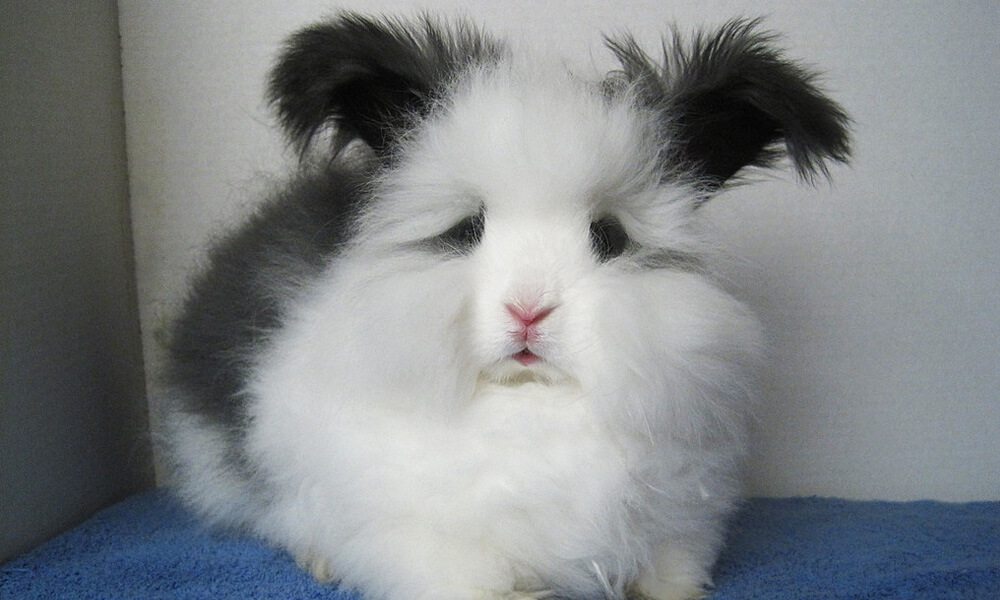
x=528, y=316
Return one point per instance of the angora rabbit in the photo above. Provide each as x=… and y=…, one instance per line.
x=474, y=349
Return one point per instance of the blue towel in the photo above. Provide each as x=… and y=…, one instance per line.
x=148, y=548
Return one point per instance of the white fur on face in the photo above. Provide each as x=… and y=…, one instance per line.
x=542, y=155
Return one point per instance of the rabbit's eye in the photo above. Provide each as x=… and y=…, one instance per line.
x=465, y=234
x=608, y=238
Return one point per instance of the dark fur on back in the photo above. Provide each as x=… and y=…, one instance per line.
x=238, y=301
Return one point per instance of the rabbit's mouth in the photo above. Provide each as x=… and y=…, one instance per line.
x=526, y=357
x=524, y=366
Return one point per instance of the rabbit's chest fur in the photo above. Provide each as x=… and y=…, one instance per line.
x=515, y=458
x=524, y=484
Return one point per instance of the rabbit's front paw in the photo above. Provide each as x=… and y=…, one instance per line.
x=316, y=565
x=677, y=575
x=517, y=595
x=668, y=590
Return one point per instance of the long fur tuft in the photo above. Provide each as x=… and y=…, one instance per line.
x=366, y=77
x=736, y=101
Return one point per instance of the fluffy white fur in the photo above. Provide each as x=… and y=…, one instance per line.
x=396, y=445
x=414, y=459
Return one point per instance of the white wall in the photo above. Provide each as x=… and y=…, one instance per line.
x=880, y=291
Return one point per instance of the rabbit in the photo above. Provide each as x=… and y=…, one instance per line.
x=475, y=349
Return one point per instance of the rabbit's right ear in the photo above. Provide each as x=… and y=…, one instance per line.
x=367, y=78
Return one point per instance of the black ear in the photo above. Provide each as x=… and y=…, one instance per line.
x=367, y=78
x=731, y=100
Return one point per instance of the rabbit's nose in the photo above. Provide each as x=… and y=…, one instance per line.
x=530, y=315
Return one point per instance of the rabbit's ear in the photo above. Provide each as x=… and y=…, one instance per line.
x=367, y=78
x=729, y=99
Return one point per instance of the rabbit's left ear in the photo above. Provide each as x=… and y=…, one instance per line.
x=730, y=100
x=368, y=78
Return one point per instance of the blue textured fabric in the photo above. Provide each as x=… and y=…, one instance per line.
x=821, y=548
x=148, y=547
